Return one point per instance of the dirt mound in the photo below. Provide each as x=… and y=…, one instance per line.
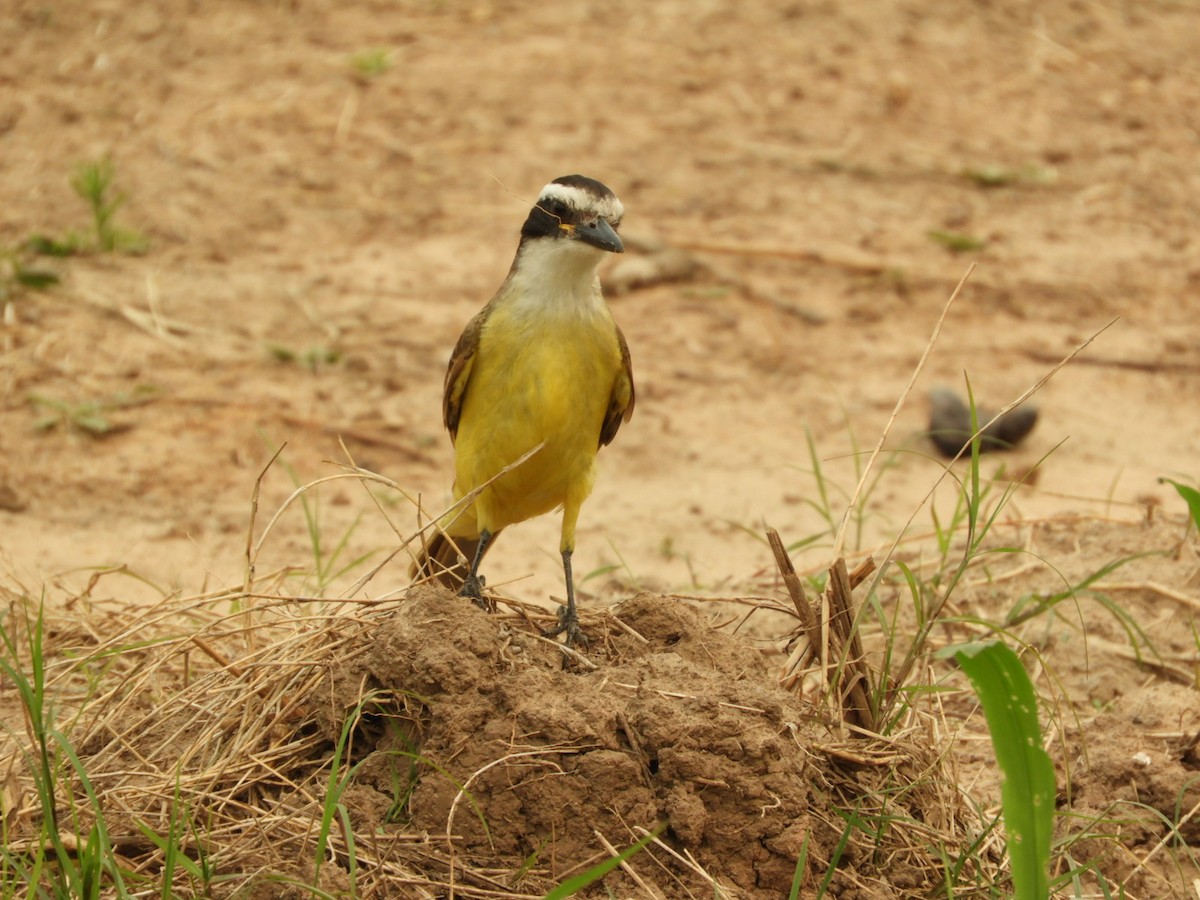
x=521, y=760
x=679, y=728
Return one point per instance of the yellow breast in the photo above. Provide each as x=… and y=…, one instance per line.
x=540, y=376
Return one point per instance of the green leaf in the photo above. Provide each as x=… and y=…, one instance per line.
x=1190, y=496
x=92, y=421
x=280, y=353
x=370, y=64
x=48, y=246
x=991, y=176
x=956, y=241
x=1028, y=790
x=38, y=279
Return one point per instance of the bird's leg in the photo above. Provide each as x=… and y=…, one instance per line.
x=568, y=618
x=472, y=587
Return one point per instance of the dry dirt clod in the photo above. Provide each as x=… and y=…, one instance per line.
x=950, y=424
x=682, y=725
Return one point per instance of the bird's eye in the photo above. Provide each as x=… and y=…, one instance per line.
x=556, y=208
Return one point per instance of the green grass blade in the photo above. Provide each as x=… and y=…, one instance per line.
x=801, y=870
x=335, y=786
x=1190, y=496
x=102, y=857
x=1028, y=789
x=595, y=873
x=851, y=816
x=351, y=849
x=38, y=279
x=823, y=507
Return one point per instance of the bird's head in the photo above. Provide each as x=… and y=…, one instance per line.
x=580, y=212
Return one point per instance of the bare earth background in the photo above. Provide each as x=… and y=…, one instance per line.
x=801, y=152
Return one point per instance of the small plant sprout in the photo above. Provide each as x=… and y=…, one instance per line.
x=89, y=417
x=997, y=176
x=17, y=275
x=370, y=64
x=956, y=242
x=94, y=182
x=1190, y=496
x=312, y=358
x=1028, y=789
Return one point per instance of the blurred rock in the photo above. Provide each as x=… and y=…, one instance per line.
x=950, y=424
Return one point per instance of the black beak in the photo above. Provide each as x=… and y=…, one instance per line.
x=601, y=235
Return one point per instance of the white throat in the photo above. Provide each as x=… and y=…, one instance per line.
x=557, y=276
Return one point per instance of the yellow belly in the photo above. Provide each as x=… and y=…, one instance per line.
x=544, y=382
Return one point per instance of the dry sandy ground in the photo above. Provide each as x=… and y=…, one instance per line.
x=802, y=153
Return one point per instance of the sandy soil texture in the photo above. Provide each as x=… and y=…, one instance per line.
x=327, y=192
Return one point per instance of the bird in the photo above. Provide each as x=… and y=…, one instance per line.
x=542, y=371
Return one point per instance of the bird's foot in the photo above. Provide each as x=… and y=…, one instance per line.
x=568, y=625
x=472, y=589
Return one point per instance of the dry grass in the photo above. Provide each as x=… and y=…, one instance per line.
x=220, y=711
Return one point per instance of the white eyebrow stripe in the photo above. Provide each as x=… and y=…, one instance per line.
x=609, y=208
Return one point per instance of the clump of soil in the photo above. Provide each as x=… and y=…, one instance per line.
x=678, y=725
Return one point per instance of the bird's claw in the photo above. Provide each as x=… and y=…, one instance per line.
x=472, y=589
x=568, y=625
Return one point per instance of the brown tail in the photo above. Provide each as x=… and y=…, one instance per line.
x=446, y=562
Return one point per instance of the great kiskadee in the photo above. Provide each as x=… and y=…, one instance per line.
x=543, y=365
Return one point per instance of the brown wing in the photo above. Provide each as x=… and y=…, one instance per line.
x=620, y=404
x=458, y=373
